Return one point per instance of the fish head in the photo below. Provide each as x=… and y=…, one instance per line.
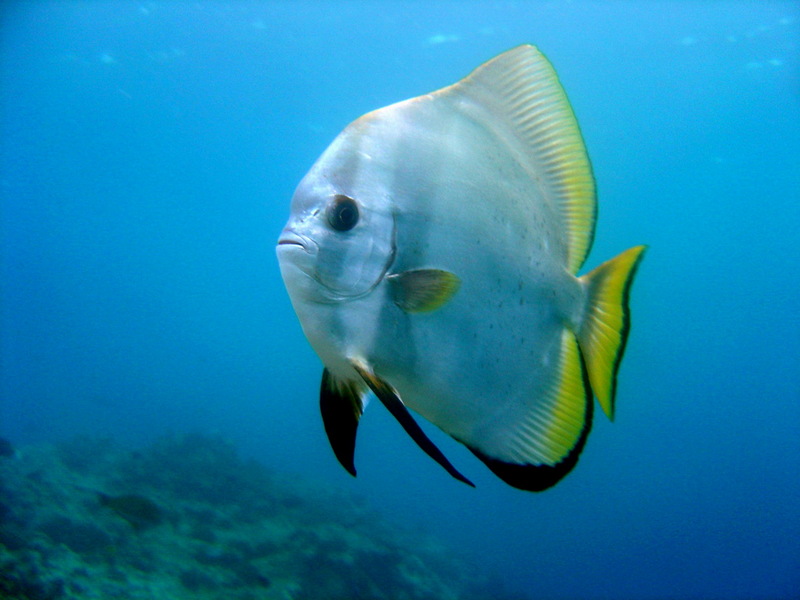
x=339, y=242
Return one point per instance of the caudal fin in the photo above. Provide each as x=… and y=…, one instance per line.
x=604, y=331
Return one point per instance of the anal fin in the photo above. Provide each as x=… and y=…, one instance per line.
x=539, y=447
x=391, y=400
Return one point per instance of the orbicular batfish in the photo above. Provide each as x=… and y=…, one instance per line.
x=432, y=255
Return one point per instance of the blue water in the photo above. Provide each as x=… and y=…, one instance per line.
x=149, y=153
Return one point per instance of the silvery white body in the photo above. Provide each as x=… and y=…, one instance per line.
x=431, y=256
x=427, y=183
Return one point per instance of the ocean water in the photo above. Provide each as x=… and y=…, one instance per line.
x=149, y=153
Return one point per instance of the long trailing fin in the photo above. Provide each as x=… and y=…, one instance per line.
x=341, y=403
x=604, y=331
x=391, y=400
x=521, y=89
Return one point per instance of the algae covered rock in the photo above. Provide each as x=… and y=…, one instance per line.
x=187, y=518
x=137, y=510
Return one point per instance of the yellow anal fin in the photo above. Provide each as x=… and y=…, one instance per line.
x=604, y=330
x=423, y=290
x=543, y=444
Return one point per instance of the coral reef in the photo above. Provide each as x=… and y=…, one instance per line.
x=188, y=519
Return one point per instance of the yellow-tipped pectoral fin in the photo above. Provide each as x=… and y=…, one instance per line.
x=604, y=331
x=423, y=290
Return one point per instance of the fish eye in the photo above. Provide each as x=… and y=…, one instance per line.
x=342, y=213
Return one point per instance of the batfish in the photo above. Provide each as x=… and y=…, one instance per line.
x=431, y=256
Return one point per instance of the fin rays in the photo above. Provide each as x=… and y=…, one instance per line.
x=545, y=444
x=604, y=333
x=522, y=85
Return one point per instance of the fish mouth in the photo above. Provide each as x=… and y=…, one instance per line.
x=290, y=238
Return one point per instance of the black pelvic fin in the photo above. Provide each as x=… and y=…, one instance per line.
x=391, y=400
x=341, y=405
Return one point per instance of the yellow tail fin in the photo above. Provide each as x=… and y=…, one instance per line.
x=604, y=330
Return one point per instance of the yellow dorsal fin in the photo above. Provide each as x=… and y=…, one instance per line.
x=604, y=331
x=521, y=88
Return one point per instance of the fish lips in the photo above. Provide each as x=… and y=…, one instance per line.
x=297, y=253
x=290, y=240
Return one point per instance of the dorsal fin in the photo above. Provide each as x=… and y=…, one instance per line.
x=522, y=86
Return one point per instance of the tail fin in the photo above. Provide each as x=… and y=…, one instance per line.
x=604, y=331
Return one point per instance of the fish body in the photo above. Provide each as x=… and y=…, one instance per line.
x=432, y=255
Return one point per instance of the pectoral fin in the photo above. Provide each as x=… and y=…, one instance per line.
x=391, y=400
x=341, y=403
x=423, y=290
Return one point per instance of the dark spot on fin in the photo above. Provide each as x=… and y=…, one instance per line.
x=341, y=405
x=423, y=290
x=537, y=478
x=388, y=396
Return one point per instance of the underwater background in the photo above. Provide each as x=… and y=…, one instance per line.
x=149, y=154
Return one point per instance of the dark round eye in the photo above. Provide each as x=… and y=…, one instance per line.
x=342, y=213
